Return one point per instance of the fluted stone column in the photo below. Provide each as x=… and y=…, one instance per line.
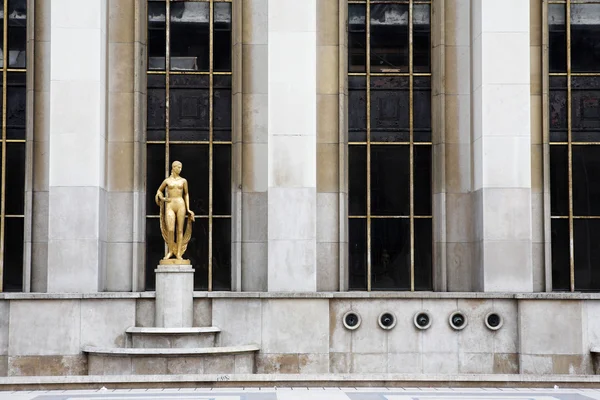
x=292, y=142
x=501, y=144
x=78, y=103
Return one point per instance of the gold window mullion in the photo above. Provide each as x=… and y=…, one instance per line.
x=368, y=92
x=411, y=146
x=210, y=139
x=3, y=193
x=570, y=150
x=167, y=87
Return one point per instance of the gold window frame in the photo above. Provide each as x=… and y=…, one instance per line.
x=211, y=73
x=411, y=143
x=570, y=143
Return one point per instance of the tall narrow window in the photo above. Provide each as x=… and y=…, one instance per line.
x=189, y=120
x=574, y=112
x=390, y=199
x=12, y=156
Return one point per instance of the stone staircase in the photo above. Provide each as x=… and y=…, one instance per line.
x=175, y=347
x=157, y=351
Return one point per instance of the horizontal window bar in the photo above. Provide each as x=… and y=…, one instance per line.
x=390, y=216
x=187, y=142
x=177, y=72
x=197, y=216
x=390, y=143
x=575, y=143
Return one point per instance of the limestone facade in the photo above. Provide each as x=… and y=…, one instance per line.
x=84, y=279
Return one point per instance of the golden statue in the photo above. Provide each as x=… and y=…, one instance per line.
x=174, y=206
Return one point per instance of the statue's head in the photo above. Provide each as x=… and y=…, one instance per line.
x=176, y=166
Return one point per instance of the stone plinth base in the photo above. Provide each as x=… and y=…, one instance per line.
x=174, y=296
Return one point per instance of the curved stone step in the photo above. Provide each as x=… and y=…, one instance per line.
x=139, y=337
x=158, y=361
x=118, y=351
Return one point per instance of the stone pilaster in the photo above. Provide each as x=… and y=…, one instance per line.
x=254, y=103
x=41, y=146
x=78, y=110
x=453, y=233
x=120, y=162
x=329, y=193
x=501, y=146
x=292, y=139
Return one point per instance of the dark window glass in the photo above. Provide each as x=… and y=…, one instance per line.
x=157, y=36
x=422, y=180
x=15, y=178
x=421, y=38
x=357, y=38
x=557, y=38
x=560, y=254
x=389, y=38
x=586, y=180
x=155, y=250
x=586, y=236
x=189, y=107
x=222, y=180
x=190, y=36
x=13, y=255
x=585, y=112
x=357, y=109
x=16, y=105
x=194, y=158
x=197, y=252
x=422, y=109
x=357, y=254
x=390, y=181
x=156, y=99
x=390, y=265
x=222, y=108
x=585, y=37
x=399, y=133
x=155, y=174
x=558, y=109
x=17, y=33
x=192, y=115
x=390, y=107
x=423, y=252
x=221, y=254
x=357, y=175
x=559, y=180
x=222, y=37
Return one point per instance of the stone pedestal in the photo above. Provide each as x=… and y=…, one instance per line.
x=174, y=296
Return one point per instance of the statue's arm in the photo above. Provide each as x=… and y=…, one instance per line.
x=186, y=197
x=159, y=193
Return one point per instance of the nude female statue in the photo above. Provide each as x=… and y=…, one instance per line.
x=176, y=206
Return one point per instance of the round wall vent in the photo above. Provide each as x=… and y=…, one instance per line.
x=422, y=320
x=494, y=321
x=387, y=320
x=458, y=320
x=351, y=320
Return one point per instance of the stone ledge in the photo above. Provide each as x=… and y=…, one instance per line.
x=77, y=296
x=308, y=295
x=109, y=351
x=283, y=380
x=172, y=331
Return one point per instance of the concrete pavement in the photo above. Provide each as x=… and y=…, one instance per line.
x=309, y=394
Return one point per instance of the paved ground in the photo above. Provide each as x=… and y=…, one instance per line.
x=310, y=394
